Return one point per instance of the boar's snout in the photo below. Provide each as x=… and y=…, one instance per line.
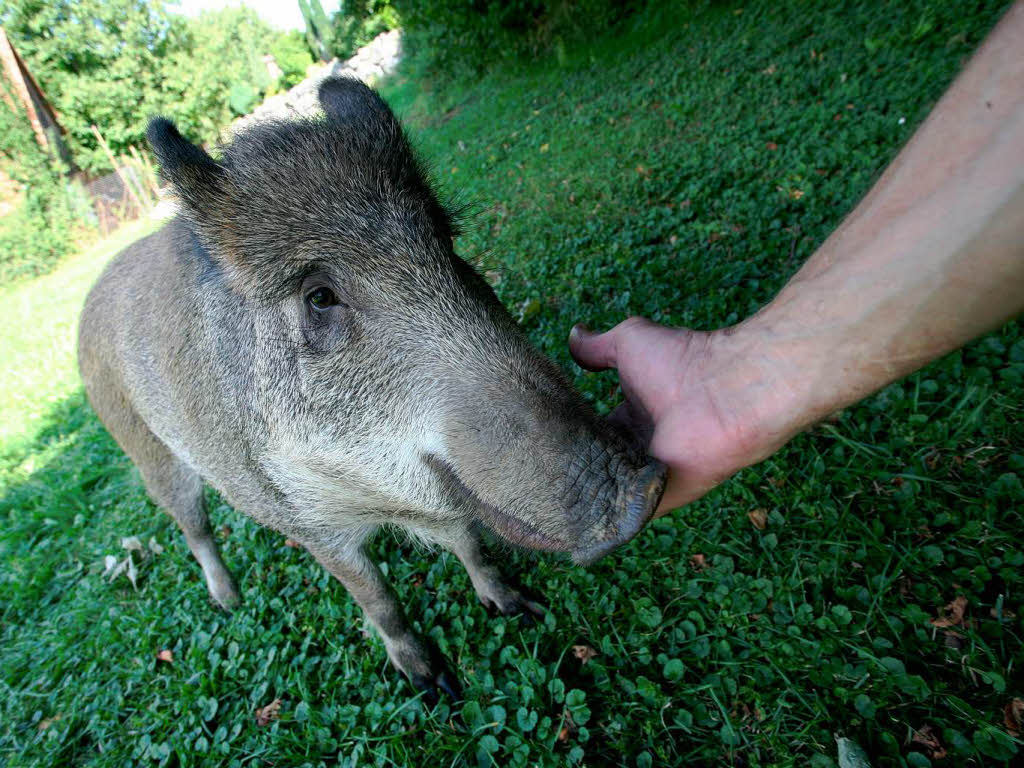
x=599, y=499
x=639, y=500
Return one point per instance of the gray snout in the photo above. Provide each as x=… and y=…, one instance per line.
x=639, y=503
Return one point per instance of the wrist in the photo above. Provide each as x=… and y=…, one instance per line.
x=776, y=379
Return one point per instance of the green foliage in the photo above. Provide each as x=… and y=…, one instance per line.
x=39, y=231
x=292, y=56
x=455, y=37
x=242, y=98
x=99, y=62
x=678, y=204
x=214, y=73
x=319, y=32
x=115, y=63
x=358, y=22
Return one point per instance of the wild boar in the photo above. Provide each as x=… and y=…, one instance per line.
x=303, y=338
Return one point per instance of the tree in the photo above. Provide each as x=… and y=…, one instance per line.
x=319, y=33
x=292, y=56
x=99, y=61
x=217, y=72
x=115, y=63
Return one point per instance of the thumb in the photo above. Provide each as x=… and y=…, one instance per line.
x=593, y=351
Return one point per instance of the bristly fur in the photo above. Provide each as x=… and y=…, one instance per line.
x=288, y=193
x=407, y=398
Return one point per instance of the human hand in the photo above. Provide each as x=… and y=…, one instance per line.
x=706, y=404
x=932, y=257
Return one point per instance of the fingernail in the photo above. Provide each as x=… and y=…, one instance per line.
x=579, y=330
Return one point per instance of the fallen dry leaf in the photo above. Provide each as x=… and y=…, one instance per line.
x=929, y=742
x=165, y=656
x=905, y=584
x=132, y=572
x=1013, y=716
x=114, y=568
x=952, y=614
x=584, y=653
x=569, y=727
x=292, y=543
x=46, y=722
x=759, y=518
x=1008, y=615
x=698, y=562
x=952, y=639
x=268, y=714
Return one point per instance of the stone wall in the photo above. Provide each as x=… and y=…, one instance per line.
x=373, y=61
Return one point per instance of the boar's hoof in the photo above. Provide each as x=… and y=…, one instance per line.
x=511, y=602
x=432, y=686
x=224, y=593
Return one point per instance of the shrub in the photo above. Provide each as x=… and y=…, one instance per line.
x=98, y=61
x=358, y=22
x=292, y=56
x=215, y=73
x=454, y=37
x=39, y=232
x=114, y=63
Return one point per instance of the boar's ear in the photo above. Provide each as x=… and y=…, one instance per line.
x=347, y=100
x=195, y=175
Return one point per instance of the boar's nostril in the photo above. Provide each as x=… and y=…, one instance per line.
x=641, y=502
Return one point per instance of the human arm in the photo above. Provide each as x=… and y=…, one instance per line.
x=931, y=258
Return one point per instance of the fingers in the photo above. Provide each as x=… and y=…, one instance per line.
x=593, y=351
x=598, y=351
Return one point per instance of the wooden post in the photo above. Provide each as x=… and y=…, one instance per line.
x=135, y=177
x=146, y=173
x=117, y=169
x=12, y=68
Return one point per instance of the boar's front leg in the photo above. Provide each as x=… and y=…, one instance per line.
x=416, y=657
x=488, y=582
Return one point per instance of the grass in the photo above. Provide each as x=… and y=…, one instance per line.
x=681, y=169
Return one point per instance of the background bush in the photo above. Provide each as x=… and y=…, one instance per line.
x=112, y=63
x=217, y=54
x=38, y=233
x=293, y=57
x=358, y=22
x=455, y=37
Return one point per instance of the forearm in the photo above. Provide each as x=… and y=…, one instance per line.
x=930, y=259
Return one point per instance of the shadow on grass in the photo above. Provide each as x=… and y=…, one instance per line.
x=55, y=486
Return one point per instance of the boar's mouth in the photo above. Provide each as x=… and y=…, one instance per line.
x=610, y=531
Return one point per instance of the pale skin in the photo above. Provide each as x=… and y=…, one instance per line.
x=930, y=259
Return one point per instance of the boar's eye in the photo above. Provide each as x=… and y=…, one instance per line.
x=322, y=299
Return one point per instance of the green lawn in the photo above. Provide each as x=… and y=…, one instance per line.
x=681, y=169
